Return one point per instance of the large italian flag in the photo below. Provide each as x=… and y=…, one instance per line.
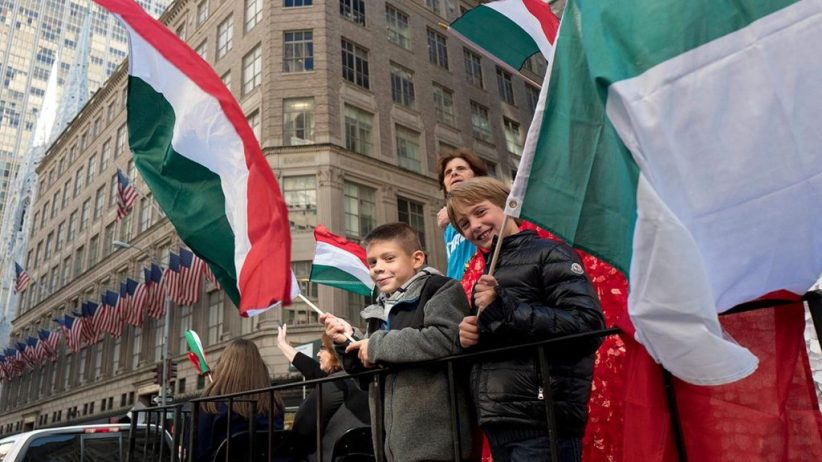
x=195, y=150
x=509, y=30
x=340, y=263
x=679, y=141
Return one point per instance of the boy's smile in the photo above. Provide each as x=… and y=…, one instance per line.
x=390, y=266
x=479, y=223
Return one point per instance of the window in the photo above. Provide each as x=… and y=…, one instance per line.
x=122, y=140
x=402, y=86
x=55, y=205
x=298, y=51
x=226, y=78
x=302, y=271
x=359, y=208
x=300, y=193
x=225, y=33
x=408, y=149
x=355, y=63
x=108, y=238
x=112, y=197
x=473, y=67
x=480, y=126
x=215, y=316
x=115, y=361
x=397, y=27
x=358, y=125
x=136, y=346
x=252, y=70
x=532, y=97
x=93, y=245
x=84, y=213
x=202, y=49
x=353, y=10
x=202, y=12
x=61, y=235
x=79, y=254
x=513, y=138
x=411, y=212
x=181, y=31
x=71, y=228
x=298, y=121
x=505, y=86
x=157, y=329
x=444, y=104
x=78, y=182
x=145, y=214
x=66, y=192
x=126, y=228
x=536, y=64
x=437, y=49
x=66, y=271
x=435, y=6
x=293, y=3
x=49, y=246
x=105, y=155
x=185, y=324
x=254, y=123
x=253, y=13
x=99, y=200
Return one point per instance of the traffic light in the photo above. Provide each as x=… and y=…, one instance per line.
x=158, y=373
x=172, y=370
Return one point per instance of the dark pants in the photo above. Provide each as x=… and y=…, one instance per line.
x=534, y=449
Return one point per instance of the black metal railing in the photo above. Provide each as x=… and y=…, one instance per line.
x=181, y=420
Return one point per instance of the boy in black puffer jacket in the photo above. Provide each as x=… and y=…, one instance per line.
x=539, y=291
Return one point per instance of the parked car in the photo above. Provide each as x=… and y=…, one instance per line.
x=85, y=443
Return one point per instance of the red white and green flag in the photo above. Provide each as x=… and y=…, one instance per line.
x=195, y=150
x=509, y=30
x=195, y=352
x=679, y=143
x=340, y=263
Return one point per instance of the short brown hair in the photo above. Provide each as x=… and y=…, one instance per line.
x=399, y=232
x=478, y=166
x=474, y=191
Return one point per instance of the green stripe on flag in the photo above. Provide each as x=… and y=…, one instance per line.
x=189, y=193
x=485, y=27
x=332, y=276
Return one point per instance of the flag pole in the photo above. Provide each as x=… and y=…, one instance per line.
x=488, y=55
x=495, y=257
x=320, y=312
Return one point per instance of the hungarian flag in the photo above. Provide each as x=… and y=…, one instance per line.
x=340, y=263
x=195, y=352
x=675, y=152
x=510, y=30
x=195, y=150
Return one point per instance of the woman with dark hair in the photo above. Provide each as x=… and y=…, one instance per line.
x=239, y=368
x=344, y=406
x=455, y=167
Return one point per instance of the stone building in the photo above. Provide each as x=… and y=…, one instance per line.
x=351, y=100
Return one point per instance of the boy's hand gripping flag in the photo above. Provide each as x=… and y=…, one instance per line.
x=195, y=150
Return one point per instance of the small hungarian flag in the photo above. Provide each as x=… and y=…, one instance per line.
x=340, y=263
x=197, y=153
x=527, y=26
x=195, y=352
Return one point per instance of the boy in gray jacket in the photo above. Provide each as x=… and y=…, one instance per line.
x=416, y=318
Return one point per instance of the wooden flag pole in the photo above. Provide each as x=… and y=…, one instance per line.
x=493, y=266
x=320, y=312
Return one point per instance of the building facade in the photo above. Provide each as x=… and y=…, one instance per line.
x=352, y=102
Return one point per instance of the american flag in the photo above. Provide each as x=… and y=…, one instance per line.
x=139, y=300
x=35, y=354
x=126, y=195
x=105, y=316
x=22, y=278
x=23, y=356
x=190, y=279
x=4, y=374
x=49, y=340
x=170, y=284
x=119, y=312
x=156, y=305
x=13, y=366
x=71, y=332
x=90, y=320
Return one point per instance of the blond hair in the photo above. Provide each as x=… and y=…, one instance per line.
x=241, y=368
x=473, y=191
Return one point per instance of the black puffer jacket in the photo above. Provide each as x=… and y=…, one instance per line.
x=543, y=293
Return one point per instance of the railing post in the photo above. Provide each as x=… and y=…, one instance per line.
x=548, y=398
x=192, y=437
x=252, y=428
x=319, y=415
x=175, y=432
x=228, y=430
x=271, y=425
x=378, y=430
x=162, y=433
x=455, y=424
x=132, y=436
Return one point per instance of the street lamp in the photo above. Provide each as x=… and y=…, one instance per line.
x=166, y=323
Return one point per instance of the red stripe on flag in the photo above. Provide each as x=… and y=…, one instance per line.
x=547, y=19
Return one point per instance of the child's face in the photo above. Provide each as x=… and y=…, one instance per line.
x=391, y=266
x=479, y=223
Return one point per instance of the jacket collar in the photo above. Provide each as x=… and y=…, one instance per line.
x=408, y=292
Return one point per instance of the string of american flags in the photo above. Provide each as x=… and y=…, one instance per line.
x=181, y=282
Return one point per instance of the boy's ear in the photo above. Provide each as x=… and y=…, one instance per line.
x=418, y=258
